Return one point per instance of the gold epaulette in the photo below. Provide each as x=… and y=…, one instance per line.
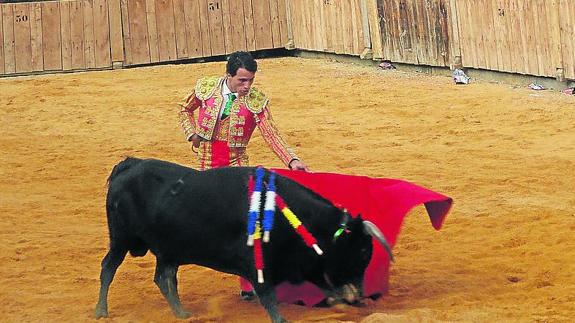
x=256, y=101
x=206, y=86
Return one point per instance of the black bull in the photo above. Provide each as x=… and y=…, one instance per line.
x=184, y=216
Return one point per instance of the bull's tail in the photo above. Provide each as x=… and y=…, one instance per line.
x=122, y=166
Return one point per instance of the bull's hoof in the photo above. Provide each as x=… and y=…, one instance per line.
x=101, y=312
x=182, y=314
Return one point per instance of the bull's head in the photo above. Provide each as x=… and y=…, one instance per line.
x=349, y=257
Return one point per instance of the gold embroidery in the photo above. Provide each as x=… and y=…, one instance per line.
x=211, y=115
x=205, y=87
x=255, y=101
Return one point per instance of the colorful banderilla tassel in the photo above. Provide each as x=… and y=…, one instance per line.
x=255, y=202
x=298, y=226
x=270, y=207
x=258, y=254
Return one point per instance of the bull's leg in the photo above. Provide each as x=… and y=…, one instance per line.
x=166, y=280
x=110, y=264
x=267, y=297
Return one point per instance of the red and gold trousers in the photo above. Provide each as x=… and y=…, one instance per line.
x=217, y=153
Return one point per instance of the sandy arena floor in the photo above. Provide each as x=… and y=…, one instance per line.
x=506, y=156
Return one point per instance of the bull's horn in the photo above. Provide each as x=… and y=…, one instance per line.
x=373, y=230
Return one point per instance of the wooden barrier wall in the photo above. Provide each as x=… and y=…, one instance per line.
x=58, y=36
x=333, y=26
x=521, y=36
x=416, y=32
x=96, y=34
x=169, y=30
x=532, y=37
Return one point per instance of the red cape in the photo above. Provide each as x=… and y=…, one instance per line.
x=385, y=202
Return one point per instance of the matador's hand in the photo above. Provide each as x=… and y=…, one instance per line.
x=196, y=140
x=298, y=165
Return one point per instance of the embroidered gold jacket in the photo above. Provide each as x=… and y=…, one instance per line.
x=246, y=113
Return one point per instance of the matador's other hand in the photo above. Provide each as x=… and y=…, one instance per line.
x=196, y=140
x=298, y=165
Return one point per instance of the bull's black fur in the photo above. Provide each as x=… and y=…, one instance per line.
x=184, y=216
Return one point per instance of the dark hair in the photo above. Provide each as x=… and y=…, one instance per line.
x=239, y=60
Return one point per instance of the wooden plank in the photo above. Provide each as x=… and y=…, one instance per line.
x=22, y=43
x=526, y=57
x=454, y=36
x=194, y=28
x=445, y=34
x=127, y=39
x=539, y=38
x=305, y=31
x=77, y=34
x=396, y=31
x=205, y=30
x=140, y=46
x=262, y=25
x=470, y=33
x=338, y=44
x=89, y=40
x=358, y=35
x=310, y=27
x=2, y=70
x=435, y=32
x=463, y=26
x=345, y=10
x=116, y=36
x=227, y=25
x=419, y=24
x=325, y=26
x=66, y=35
x=102, y=49
x=490, y=41
x=51, y=36
x=8, y=39
x=166, y=30
x=282, y=14
x=479, y=22
x=500, y=33
x=555, y=45
x=516, y=43
x=153, y=38
x=567, y=22
x=531, y=38
x=249, y=25
x=296, y=21
x=238, y=29
x=316, y=22
x=36, y=36
x=275, y=24
x=180, y=29
x=215, y=23
x=386, y=28
x=375, y=29
x=420, y=35
x=510, y=35
x=545, y=68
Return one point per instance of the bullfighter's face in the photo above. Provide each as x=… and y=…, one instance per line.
x=241, y=82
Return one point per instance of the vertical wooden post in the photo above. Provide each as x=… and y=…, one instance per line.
x=374, y=33
x=290, y=43
x=456, y=59
x=367, y=53
x=555, y=47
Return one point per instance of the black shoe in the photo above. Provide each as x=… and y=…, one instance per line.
x=247, y=296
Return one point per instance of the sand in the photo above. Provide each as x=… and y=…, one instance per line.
x=506, y=155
